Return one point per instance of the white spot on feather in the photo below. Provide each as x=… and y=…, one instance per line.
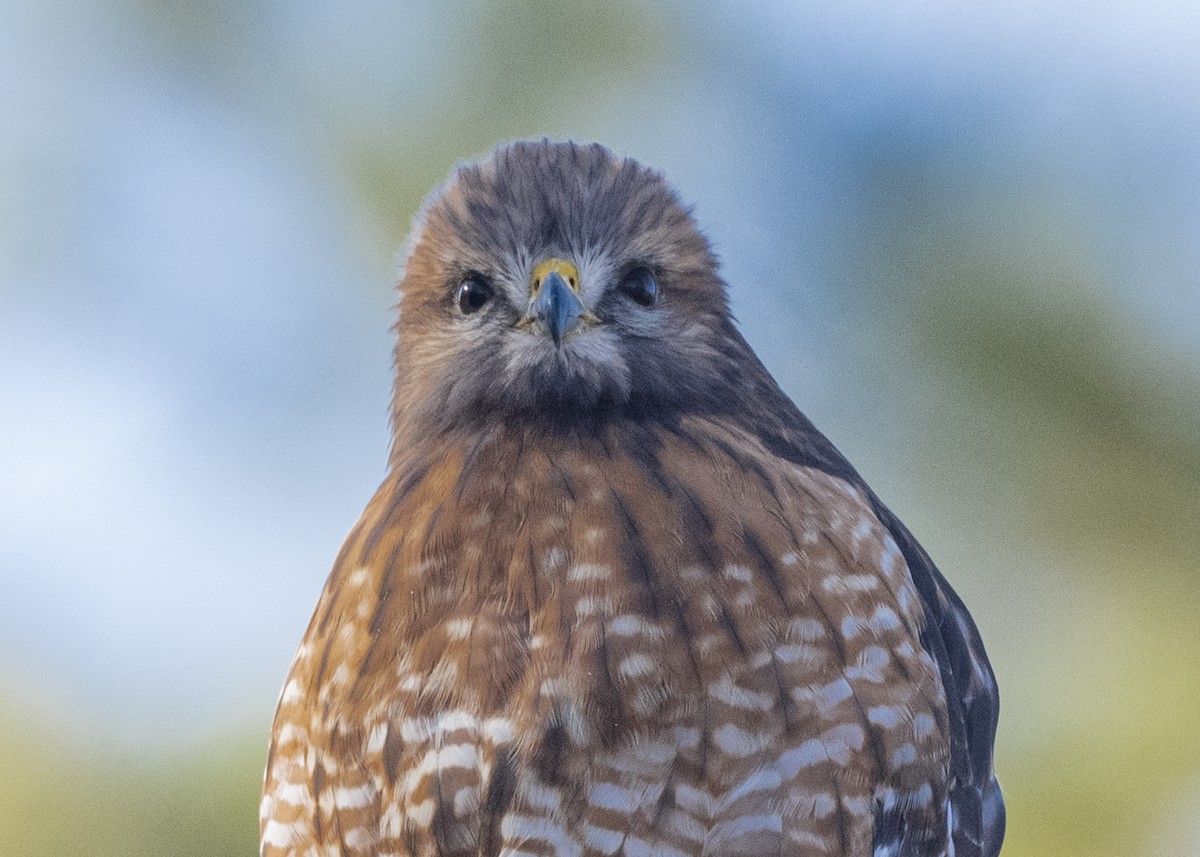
x=291, y=692
x=891, y=553
x=498, y=730
x=540, y=797
x=738, y=572
x=695, y=801
x=729, y=693
x=526, y=828
x=736, y=742
x=344, y=798
x=635, y=666
x=589, y=571
x=922, y=726
x=610, y=796
x=466, y=801
x=281, y=835
x=850, y=583
x=421, y=814
x=763, y=779
x=905, y=754
x=869, y=665
x=808, y=630
x=602, y=840
x=630, y=625
x=884, y=619
x=593, y=604
x=802, y=653
x=887, y=716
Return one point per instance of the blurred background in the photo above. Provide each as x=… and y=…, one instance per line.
x=966, y=240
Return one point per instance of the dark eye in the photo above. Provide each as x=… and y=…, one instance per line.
x=473, y=293
x=639, y=286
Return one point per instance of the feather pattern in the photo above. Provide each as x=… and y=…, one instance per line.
x=618, y=596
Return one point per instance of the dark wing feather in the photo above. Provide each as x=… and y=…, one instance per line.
x=972, y=699
x=950, y=636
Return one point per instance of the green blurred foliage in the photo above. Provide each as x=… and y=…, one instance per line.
x=1076, y=436
x=524, y=68
x=76, y=796
x=1074, y=403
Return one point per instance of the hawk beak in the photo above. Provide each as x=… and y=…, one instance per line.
x=556, y=303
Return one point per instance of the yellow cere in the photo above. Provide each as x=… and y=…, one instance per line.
x=565, y=269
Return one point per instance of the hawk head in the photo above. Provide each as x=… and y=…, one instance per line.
x=558, y=282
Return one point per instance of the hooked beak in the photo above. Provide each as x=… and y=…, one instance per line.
x=557, y=307
x=556, y=303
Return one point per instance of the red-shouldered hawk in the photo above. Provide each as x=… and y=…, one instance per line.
x=616, y=595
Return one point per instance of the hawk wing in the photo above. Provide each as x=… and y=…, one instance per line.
x=975, y=813
x=972, y=699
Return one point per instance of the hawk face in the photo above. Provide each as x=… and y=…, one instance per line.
x=557, y=282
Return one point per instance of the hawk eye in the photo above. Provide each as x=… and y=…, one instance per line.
x=473, y=293
x=639, y=286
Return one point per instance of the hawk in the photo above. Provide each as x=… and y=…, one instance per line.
x=617, y=595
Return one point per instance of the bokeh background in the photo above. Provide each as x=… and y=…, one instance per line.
x=964, y=237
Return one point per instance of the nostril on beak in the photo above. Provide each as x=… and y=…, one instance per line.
x=557, y=306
